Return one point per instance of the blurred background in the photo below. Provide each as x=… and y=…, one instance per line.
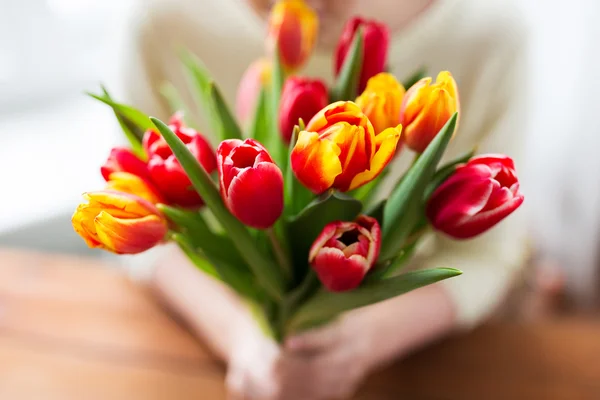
x=53, y=138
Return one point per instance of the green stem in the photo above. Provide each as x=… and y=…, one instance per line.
x=282, y=256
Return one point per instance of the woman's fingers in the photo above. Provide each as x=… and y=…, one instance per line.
x=314, y=340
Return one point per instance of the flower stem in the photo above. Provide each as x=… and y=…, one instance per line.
x=280, y=253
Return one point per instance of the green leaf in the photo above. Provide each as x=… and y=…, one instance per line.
x=259, y=128
x=176, y=103
x=415, y=77
x=444, y=173
x=200, y=80
x=346, y=85
x=216, y=246
x=133, y=122
x=276, y=145
x=291, y=184
x=404, y=208
x=266, y=271
x=304, y=228
x=188, y=248
x=228, y=128
x=326, y=305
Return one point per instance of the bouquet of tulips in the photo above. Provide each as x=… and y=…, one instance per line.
x=286, y=211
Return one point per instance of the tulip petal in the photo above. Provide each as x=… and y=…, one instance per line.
x=120, y=204
x=485, y=220
x=129, y=236
x=315, y=162
x=255, y=196
x=326, y=234
x=338, y=273
x=388, y=140
x=133, y=184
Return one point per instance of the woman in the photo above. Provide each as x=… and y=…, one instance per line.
x=483, y=45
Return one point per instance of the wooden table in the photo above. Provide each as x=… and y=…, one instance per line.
x=73, y=329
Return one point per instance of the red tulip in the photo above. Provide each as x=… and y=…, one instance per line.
x=301, y=98
x=375, y=48
x=345, y=251
x=476, y=197
x=251, y=183
x=123, y=160
x=165, y=171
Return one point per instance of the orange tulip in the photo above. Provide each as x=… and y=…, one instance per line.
x=340, y=150
x=133, y=184
x=119, y=222
x=293, y=27
x=426, y=108
x=381, y=101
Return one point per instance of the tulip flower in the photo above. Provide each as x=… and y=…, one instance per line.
x=123, y=160
x=119, y=222
x=301, y=98
x=375, y=48
x=256, y=77
x=165, y=171
x=426, y=108
x=293, y=26
x=340, y=150
x=133, y=184
x=476, y=197
x=344, y=252
x=381, y=101
x=251, y=183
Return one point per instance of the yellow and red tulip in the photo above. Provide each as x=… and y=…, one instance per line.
x=293, y=28
x=375, y=48
x=251, y=183
x=301, y=98
x=426, y=108
x=476, y=197
x=344, y=252
x=123, y=160
x=381, y=101
x=165, y=171
x=119, y=222
x=256, y=77
x=133, y=184
x=340, y=150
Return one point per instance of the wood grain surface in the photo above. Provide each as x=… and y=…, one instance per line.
x=73, y=328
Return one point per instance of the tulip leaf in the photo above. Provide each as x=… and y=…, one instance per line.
x=444, y=172
x=228, y=127
x=133, y=122
x=326, y=305
x=404, y=208
x=259, y=127
x=415, y=77
x=276, y=144
x=306, y=226
x=188, y=248
x=346, y=84
x=176, y=103
x=291, y=185
x=264, y=268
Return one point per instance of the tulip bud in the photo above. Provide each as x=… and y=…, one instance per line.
x=476, y=197
x=344, y=252
x=293, y=27
x=119, y=222
x=251, y=183
x=426, y=109
x=381, y=101
x=133, y=184
x=165, y=171
x=123, y=160
x=256, y=77
x=340, y=150
x=375, y=48
x=301, y=98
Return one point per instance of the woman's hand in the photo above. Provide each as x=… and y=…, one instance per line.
x=326, y=363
